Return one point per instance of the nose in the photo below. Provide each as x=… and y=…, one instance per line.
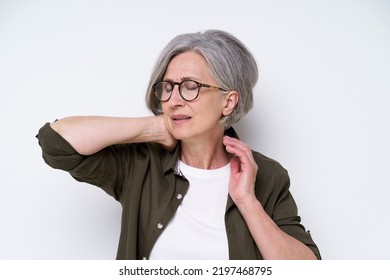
x=176, y=99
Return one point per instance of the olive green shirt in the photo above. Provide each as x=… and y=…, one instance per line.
x=145, y=180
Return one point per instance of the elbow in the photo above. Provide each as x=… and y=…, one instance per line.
x=56, y=151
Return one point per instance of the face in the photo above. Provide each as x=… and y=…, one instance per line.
x=197, y=119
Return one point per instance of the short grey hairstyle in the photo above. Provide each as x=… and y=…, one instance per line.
x=231, y=63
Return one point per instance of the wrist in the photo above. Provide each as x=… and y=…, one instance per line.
x=248, y=203
x=162, y=134
x=159, y=129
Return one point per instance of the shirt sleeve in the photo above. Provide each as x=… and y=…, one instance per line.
x=286, y=217
x=275, y=196
x=105, y=169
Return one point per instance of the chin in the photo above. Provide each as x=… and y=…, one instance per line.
x=182, y=134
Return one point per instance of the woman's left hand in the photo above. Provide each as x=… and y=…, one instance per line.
x=243, y=171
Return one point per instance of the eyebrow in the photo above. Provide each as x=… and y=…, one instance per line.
x=189, y=78
x=184, y=79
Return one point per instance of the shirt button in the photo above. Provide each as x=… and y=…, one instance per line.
x=179, y=196
x=160, y=225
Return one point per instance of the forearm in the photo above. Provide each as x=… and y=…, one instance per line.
x=90, y=134
x=272, y=242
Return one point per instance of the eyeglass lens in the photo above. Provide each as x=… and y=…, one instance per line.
x=188, y=90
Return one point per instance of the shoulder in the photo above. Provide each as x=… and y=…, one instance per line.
x=272, y=178
x=147, y=155
x=269, y=166
x=270, y=172
x=137, y=155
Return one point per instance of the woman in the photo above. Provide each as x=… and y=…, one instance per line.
x=189, y=188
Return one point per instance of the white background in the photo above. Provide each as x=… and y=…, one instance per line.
x=321, y=109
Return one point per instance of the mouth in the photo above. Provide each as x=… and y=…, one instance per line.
x=178, y=118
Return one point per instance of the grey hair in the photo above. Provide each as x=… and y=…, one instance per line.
x=231, y=64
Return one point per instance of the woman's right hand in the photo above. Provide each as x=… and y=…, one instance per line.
x=167, y=140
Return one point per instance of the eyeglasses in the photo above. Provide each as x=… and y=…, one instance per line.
x=188, y=89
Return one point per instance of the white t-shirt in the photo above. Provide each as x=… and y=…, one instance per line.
x=197, y=230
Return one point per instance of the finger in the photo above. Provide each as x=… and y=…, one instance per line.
x=243, y=153
x=228, y=141
x=235, y=165
x=242, y=161
x=239, y=148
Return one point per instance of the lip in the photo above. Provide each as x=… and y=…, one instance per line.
x=180, y=118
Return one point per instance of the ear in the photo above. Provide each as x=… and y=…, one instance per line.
x=231, y=100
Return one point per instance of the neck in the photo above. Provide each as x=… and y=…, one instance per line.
x=204, y=155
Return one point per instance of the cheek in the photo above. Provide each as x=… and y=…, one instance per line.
x=166, y=119
x=212, y=109
x=163, y=107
